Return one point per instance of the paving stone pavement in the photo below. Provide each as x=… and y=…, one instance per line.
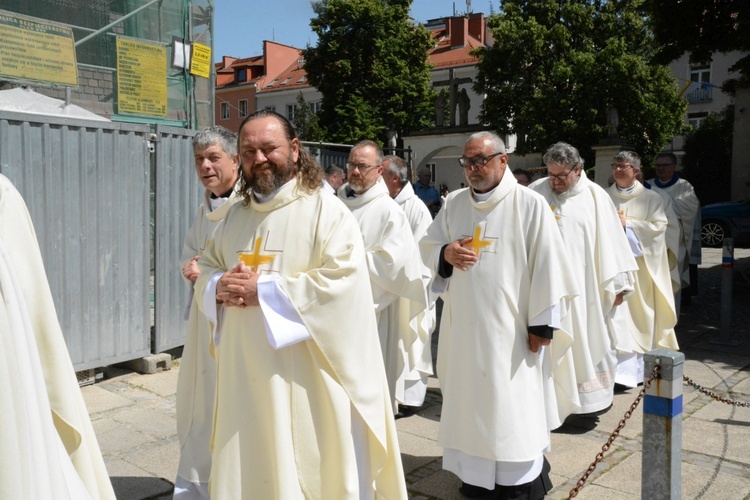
x=134, y=419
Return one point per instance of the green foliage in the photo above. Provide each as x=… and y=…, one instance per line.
x=370, y=64
x=306, y=122
x=701, y=28
x=558, y=65
x=708, y=156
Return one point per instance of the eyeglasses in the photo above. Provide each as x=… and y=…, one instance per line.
x=621, y=166
x=477, y=161
x=360, y=166
x=561, y=177
x=663, y=165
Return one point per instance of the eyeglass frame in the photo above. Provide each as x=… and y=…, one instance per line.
x=474, y=162
x=622, y=167
x=664, y=165
x=564, y=176
x=361, y=167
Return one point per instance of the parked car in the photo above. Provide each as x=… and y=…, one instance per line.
x=720, y=220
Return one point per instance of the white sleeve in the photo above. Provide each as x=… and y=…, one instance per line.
x=284, y=327
x=549, y=317
x=212, y=310
x=635, y=244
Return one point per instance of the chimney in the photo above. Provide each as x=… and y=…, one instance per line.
x=459, y=29
x=477, y=26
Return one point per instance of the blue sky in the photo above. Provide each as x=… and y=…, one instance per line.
x=240, y=26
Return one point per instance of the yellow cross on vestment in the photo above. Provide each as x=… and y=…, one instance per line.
x=208, y=242
x=477, y=243
x=255, y=259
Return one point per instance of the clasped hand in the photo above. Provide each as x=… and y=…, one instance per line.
x=460, y=257
x=238, y=287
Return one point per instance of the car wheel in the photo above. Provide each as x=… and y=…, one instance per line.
x=713, y=233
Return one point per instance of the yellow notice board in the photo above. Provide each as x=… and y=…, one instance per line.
x=36, y=49
x=141, y=78
x=200, y=64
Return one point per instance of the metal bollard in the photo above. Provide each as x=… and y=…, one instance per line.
x=662, y=426
x=727, y=290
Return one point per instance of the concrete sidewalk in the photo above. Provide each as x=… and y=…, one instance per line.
x=134, y=419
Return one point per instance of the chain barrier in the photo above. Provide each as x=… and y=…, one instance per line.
x=600, y=456
x=714, y=395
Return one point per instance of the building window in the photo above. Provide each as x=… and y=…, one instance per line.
x=315, y=107
x=701, y=88
x=243, y=108
x=700, y=74
x=241, y=75
x=431, y=166
x=290, y=112
x=271, y=108
x=695, y=119
x=225, y=111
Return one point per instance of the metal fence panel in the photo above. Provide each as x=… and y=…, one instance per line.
x=86, y=186
x=177, y=194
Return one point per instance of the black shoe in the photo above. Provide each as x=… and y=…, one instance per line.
x=472, y=491
x=406, y=411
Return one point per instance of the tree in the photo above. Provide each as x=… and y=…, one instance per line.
x=708, y=156
x=370, y=65
x=306, y=121
x=701, y=28
x=557, y=66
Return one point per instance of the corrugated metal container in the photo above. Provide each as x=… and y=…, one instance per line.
x=178, y=192
x=86, y=184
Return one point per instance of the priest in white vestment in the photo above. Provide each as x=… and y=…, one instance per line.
x=499, y=261
x=48, y=448
x=335, y=177
x=397, y=274
x=651, y=319
x=217, y=167
x=419, y=356
x=687, y=206
x=601, y=261
x=302, y=404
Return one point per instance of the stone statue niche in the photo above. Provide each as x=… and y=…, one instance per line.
x=464, y=103
x=440, y=105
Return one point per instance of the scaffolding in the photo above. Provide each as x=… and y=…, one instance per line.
x=98, y=24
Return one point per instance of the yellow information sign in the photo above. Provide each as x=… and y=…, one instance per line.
x=141, y=78
x=200, y=64
x=36, y=49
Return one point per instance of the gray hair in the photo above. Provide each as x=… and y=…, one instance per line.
x=216, y=135
x=372, y=144
x=563, y=154
x=397, y=166
x=333, y=169
x=495, y=139
x=629, y=157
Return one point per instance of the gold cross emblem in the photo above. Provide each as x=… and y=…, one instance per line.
x=477, y=243
x=255, y=259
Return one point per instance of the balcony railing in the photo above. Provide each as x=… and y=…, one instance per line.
x=699, y=95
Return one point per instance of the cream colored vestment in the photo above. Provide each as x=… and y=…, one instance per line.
x=197, y=380
x=397, y=276
x=29, y=468
x=311, y=420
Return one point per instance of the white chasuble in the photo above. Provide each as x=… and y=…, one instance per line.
x=197, y=379
x=311, y=420
x=397, y=276
x=48, y=448
x=419, y=356
x=673, y=239
x=688, y=209
x=496, y=397
x=598, y=254
x=651, y=319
